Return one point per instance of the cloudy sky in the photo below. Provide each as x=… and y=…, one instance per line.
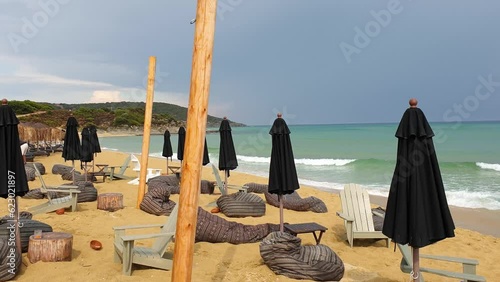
x=316, y=61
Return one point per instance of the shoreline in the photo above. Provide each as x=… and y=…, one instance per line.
x=481, y=220
x=368, y=261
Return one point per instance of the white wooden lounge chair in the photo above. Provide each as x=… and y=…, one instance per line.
x=221, y=184
x=152, y=172
x=117, y=172
x=58, y=203
x=468, y=266
x=155, y=256
x=357, y=214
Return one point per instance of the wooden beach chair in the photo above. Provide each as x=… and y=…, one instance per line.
x=468, y=266
x=128, y=254
x=117, y=172
x=152, y=172
x=58, y=203
x=357, y=214
x=223, y=187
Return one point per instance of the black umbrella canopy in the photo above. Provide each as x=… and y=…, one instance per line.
x=206, y=158
x=417, y=211
x=167, y=145
x=15, y=182
x=94, y=140
x=227, y=153
x=180, y=144
x=71, y=148
x=87, y=151
x=282, y=172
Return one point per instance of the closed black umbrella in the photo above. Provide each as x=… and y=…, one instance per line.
x=72, y=148
x=417, y=211
x=87, y=148
x=227, y=153
x=180, y=144
x=94, y=140
x=167, y=147
x=13, y=180
x=282, y=172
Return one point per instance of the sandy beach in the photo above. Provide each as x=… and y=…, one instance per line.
x=476, y=237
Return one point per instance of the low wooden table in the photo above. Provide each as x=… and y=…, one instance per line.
x=309, y=227
x=174, y=168
x=100, y=172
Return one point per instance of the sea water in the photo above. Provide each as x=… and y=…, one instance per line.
x=329, y=156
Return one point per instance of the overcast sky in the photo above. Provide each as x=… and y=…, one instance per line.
x=316, y=61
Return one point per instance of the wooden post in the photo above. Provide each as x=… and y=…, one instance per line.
x=195, y=140
x=147, y=130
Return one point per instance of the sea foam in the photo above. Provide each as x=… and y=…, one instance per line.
x=489, y=166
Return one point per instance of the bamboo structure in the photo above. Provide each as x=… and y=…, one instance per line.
x=147, y=130
x=195, y=140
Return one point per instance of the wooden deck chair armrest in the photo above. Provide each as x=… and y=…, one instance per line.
x=451, y=259
x=237, y=187
x=345, y=216
x=126, y=238
x=118, y=228
x=64, y=190
x=67, y=187
x=114, y=166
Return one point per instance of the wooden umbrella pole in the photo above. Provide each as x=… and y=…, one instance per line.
x=146, y=136
x=225, y=180
x=17, y=230
x=280, y=200
x=416, y=265
x=167, y=165
x=73, y=172
x=195, y=140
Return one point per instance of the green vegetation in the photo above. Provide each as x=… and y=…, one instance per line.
x=27, y=106
x=105, y=115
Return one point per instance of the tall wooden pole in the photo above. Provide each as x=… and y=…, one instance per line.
x=148, y=114
x=195, y=140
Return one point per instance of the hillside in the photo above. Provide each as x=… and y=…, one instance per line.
x=107, y=116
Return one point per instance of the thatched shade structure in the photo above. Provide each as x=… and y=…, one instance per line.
x=35, y=132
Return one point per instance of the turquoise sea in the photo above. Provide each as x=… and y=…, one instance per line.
x=328, y=156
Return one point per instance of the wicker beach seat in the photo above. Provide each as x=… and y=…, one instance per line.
x=256, y=188
x=157, y=201
x=40, y=166
x=88, y=191
x=294, y=202
x=61, y=169
x=241, y=204
x=171, y=181
x=8, y=269
x=28, y=228
x=30, y=173
x=34, y=194
x=284, y=255
x=214, y=229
